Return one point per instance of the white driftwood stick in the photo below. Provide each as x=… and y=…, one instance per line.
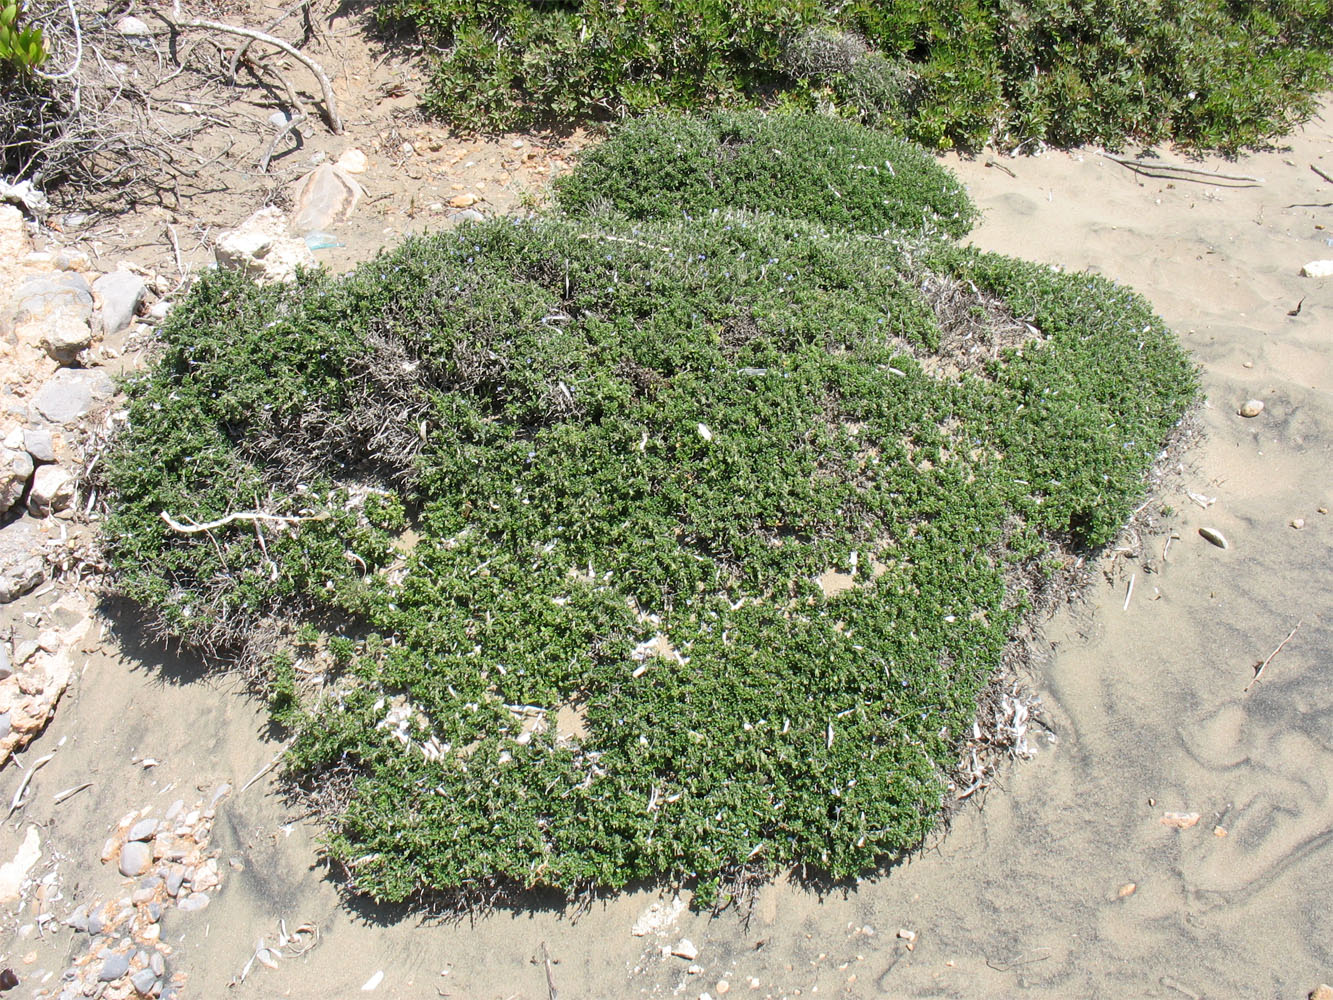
x=240, y=515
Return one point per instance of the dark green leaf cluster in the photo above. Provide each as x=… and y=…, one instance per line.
x=712, y=539
x=1213, y=73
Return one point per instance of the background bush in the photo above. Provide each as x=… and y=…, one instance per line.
x=1218, y=73
x=799, y=166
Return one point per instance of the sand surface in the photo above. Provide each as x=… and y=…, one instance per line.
x=1025, y=896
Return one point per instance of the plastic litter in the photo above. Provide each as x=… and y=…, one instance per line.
x=319, y=240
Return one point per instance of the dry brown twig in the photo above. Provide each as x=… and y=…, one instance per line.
x=1159, y=168
x=1259, y=667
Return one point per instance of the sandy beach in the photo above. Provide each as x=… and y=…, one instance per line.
x=1062, y=880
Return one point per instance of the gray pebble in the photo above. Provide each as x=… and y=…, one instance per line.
x=79, y=918
x=95, y=923
x=70, y=393
x=1214, y=536
x=122, y=294
x=6, y=668
x=470, y=215
x=135, y=857
x=113, y=968
x=6, y=724
x=174, y=879
x=144, y=981
x=154, y=912
x=38, y=443
x=144, y=829
x=157, y=963
x=193, y=902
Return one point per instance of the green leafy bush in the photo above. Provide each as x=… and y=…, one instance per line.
x=561, y=493
x=1213, y=73
x=21, y=48
x=802, y=166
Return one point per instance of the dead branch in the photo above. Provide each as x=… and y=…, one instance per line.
x=278, y=136
x=1259, y=668
x=330, y=101
x=1169, y=171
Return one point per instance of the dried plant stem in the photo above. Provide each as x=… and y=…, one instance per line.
x=330, y=101
x=1259, y=669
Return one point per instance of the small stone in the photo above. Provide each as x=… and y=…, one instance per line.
x=470, y=215
x=407, y=149
x=1126, y=890
x=38, y=443
x=71, y=392
x=157, y=963
x=278, y=119
x=722, y=987
x=96, y=923
x=78, y=920
x=53, y=311
x=1251, y=407
x=113, y=968
x=1322, y=992
x=52, y=490
x=908, y=937
x=174, y=879
x=1179, y=821
x=1214, y=536
x=135, y=857
x=694, y=970
x=16, y=469
x=464, y=200
x=353, y=162
x=193, y=902
x=144, y=980
x=1219, y=832
x=132, y=27
x=1318, y=269
x=154, y=912
x=122, y=293
x=685, y=949
x=6, y=725
x=1298, y=523
x=145, y=829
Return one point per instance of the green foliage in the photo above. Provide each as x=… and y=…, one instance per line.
x=21, y=48
x=801, y=166
x=1214, y=73
x=640, y=443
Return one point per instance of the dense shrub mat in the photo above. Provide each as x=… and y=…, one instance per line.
x=1208, y=72
x=801, y=166
x=581, y=473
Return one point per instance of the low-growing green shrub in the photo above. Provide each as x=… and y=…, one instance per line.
x=1213, y=73
x=801, y=166
x=582, y=627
